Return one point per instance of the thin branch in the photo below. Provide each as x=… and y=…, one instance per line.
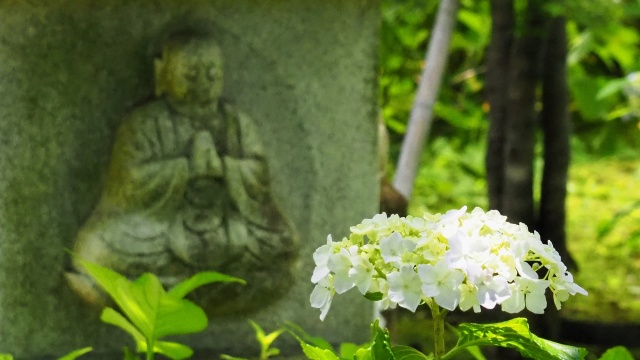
x=422, y=111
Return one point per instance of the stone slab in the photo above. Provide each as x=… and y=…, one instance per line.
x=70, y=69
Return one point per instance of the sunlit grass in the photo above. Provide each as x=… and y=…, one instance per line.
x=603, y=225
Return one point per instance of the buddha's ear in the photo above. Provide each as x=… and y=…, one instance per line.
x=158, y=67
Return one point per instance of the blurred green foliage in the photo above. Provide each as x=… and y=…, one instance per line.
x=603, y=202
x=604, y=230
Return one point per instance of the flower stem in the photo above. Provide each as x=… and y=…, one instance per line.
x=438, y=330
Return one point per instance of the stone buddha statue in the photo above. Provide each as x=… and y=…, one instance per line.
x=188, y=190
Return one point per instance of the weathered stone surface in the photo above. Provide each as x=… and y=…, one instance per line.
x=70, y=71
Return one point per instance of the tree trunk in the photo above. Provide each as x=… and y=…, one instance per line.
x=556, y=129
x=555, y=123
x=498, y=56
x=513, y=73
x=524, y=72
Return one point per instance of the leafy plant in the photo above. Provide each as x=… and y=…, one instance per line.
x=265, y=340
x=512, y=334
x=150, y=313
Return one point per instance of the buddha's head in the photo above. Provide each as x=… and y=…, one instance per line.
x=190, y=70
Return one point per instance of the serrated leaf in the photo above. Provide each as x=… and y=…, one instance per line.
x=515, y=334
x=381, y=346
x=200, y=279
x=316, y=353
x=408, y=353
x=617, y=353
x=76, y=354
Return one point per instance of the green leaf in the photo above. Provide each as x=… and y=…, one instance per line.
x=408, y=353
x=175, y=317
x=474, y=351
x=113, y=317
x=584, y=91
x=373, y=296
x=147, y=305
x=76, y=354
x=6, y=357
x=348, y=350
x=297, y=332
x=202, y=278
x=515, y=334
x=138, y=300
x=265, y=340
x=312, y=352
x=617, y=353
x=316, y=353
x=381, y=346
x=364, y=354
x=611, y=87
x=173, y=350
x=271, y=352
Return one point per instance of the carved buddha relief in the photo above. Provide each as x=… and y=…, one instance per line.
x=188, y=190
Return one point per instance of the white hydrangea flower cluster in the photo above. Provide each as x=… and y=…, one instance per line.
x=457, y=259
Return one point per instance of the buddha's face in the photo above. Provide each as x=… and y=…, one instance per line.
x=192, y=74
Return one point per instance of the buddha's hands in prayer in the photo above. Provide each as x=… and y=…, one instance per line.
x=205, y=161
x=206, y=176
